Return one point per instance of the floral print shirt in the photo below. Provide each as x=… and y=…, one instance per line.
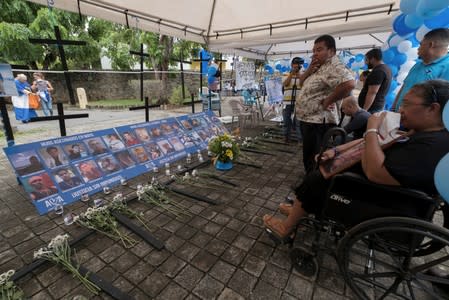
x=317, y=87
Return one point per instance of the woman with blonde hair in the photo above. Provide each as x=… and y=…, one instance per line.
x=21, y=103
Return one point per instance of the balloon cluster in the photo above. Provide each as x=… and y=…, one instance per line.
x=416, y=18
x=283, y=66
x=353, y=62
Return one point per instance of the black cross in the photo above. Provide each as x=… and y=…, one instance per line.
x=60, y=42
x=142, y=55
x=181, y=62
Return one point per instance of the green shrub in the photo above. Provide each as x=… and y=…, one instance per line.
x=176, y=96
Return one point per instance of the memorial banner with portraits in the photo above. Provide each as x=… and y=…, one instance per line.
x=60, y=170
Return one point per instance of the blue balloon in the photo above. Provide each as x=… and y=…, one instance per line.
x=415, y=42
x=446, y=116
x=269, y=70
x=399, y=59
x=359, y=57
x=431, y=5
x=440, y=177
x=305, y=65
x=351, y=60
x=439, y=21
x=278, y=67
x=393, y=85
x=388, y=56
x=408, y=6
x=389, y=99
x=413, y=21
x=284, y=69
x=394, y=69
x=400, y=27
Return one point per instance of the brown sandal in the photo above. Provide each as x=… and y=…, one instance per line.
x=276, y=228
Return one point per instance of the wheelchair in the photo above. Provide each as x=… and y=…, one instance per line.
x=385, y=239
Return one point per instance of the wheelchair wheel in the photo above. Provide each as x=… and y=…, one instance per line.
x=377, y=259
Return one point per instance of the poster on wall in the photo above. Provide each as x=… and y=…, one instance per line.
x=7, y=84
x=60, y=170
x=273, y=87
x=245, y=74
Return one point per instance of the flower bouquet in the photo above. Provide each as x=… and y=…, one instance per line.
x=197, y=179
x=8, y=290
x=118, y=204
x=59, y=252
x=101, y=220
x=225, y=150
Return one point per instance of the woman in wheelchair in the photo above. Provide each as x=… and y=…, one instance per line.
x=409, y=163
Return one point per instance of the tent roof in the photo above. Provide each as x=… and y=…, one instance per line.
x=243, y=26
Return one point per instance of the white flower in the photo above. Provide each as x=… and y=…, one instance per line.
x=195, y=173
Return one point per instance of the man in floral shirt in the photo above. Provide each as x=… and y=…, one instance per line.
x=325, y=82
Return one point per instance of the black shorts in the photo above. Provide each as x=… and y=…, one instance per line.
x=312, y=192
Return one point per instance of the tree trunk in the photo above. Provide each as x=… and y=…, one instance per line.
x=167, y=44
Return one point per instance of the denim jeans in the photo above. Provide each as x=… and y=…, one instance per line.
x=46, y=106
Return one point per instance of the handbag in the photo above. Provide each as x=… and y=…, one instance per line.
x=33, y=101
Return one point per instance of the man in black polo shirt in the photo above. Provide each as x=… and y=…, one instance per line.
x=377, y=84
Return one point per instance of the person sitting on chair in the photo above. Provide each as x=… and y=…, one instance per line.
x=359, y=117
x=410, y=162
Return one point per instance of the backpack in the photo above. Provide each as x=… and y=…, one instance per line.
x=218, y=73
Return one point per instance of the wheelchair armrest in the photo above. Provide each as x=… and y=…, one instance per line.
x=352, y=199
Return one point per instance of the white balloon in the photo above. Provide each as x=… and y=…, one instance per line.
x=412, y=54
x=395, y=40
x=404, y=46
x=421, y=32
x=401, y=76
x=397, y=89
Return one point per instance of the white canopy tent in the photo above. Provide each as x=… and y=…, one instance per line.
x=251, y=28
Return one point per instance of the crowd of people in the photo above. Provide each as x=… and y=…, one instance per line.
x=406, y=162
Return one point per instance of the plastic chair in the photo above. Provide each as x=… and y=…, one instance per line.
x=239, y=111
x=215, y=101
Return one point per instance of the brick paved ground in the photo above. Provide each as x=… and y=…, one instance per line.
x=218, y=252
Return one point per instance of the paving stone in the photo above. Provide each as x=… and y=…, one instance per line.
x=216, y=247
x=7, y=255
x=252, y=231
x=173, y=226
x=186, y=232
x=331, y=281
x=211, y=228
x=112, y=253
x=261, y=250
x=138, y=272
x=42, y=295
x=155, y=258
x=50, y=275
x=187, y=251
x=227, y=235
x=265, y=291
x=173, y=291
x=189, y=277
x=253, y=265
x=221, y=219
x=141, y=249
x=236, y=225
x=63, y=286
x=201, y=239
x=108, y=273
x=228, y=294
x=243, y=242
x=123, y=284
x=276, y=276
x=251, y=191
x=154, y=283
x=281, y=259
x=208, y=213
x=244, y=216
x=298, y=287
x=198, y=222
x=172, y=266
x=204, y=260
x=230, y=211
x=233, y=255
x=173, y=243
x=208, y=288
x=29, y=285
x=242, y=282
x=124, y=262
x=324, y=294
x=21, y=237
x=222, y=271
x=94, y=264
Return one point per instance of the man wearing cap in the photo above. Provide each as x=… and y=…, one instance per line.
x=325, y=82
x=39, y=189
x=291, y=91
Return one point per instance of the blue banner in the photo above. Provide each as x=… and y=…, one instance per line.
x=60, y=170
